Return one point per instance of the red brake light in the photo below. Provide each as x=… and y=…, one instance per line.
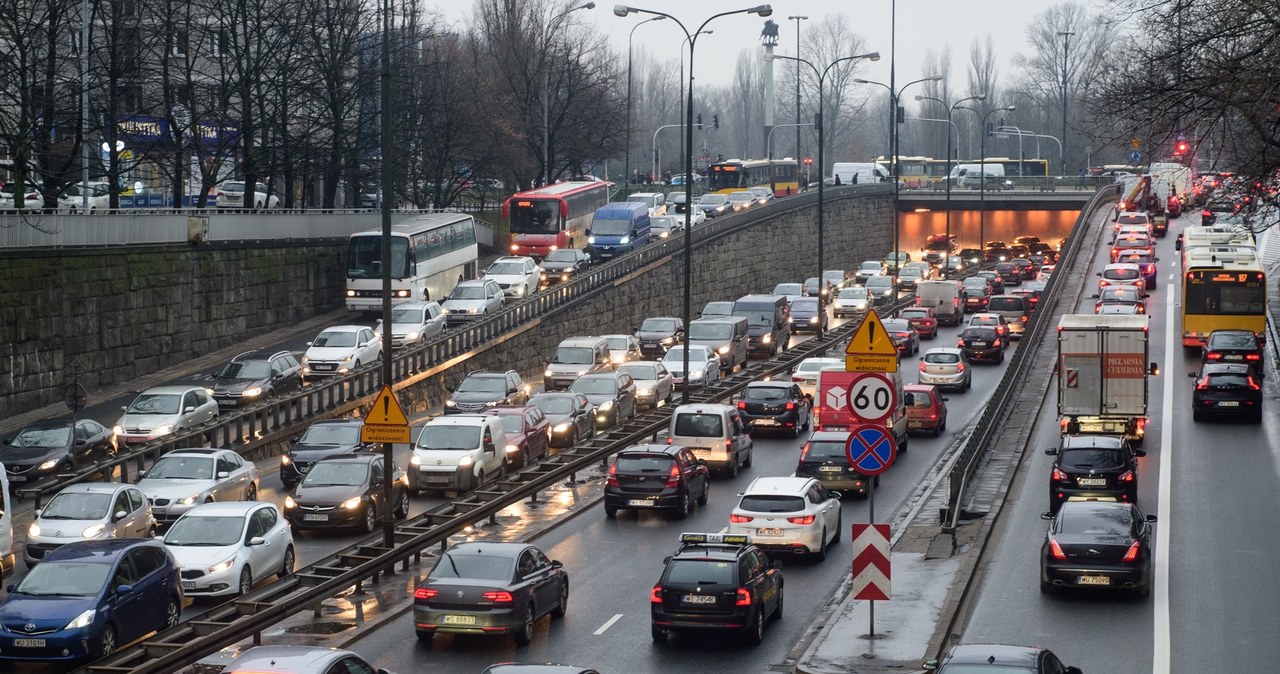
x=740, y=519
x=806, y=519
x=1202, y=384
x=655, y=595
x=1254, y=384
x=425, y=593
x=922, y=367
x=1058, y=475
x=791, y=406
x=1132, y=554
x=1252, y=356
x=1024, y=318
x=499, y=597
x=794, y=378
x=1056, y=550
x=743, y=597
x=1127, y=476
x=673, y=477
x=804, y=451
x=613, y=475
x=1214, y=355
x=960, y=367
x=960, y=343
x=996, y=343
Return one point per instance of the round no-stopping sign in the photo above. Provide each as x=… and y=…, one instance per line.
x=872, y=397
x=871, y=449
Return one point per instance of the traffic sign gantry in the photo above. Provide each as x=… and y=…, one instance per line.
x=871, y=450
x=872, y=397
x=871, y=349
x=386, y=420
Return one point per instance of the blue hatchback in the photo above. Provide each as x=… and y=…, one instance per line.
x=85, y=599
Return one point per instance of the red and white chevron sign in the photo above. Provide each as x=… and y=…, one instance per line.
x=871, y=561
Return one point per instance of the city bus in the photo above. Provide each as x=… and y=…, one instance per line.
x=553, y=217
x=734, y=175
x=1200, y=237
x=1222, y=291
x=1018, y=168
x=430, y=254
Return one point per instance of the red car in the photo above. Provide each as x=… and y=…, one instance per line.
x=926, y=409
x=1174, y=206
x=1128, y=245
x=527, y=435
x=922, y=321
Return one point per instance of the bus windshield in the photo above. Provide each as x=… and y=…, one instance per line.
x=364, y=257
x=1207, y=293
x=535, y=217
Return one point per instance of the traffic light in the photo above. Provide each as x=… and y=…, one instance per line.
x=715, y=120
x=698, y=124
x=1181, y=147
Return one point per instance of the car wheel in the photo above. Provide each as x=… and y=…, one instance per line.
x=172, y=613
x=562, y=606
x=777, y=610
x=795, y=430
x=733, y=467
x=747, y=463
x=1196, y=415
x=107, y=642
x=402, y=508
x=685, y=506
x=525, y=633
x=246, y=581
x=251, y=494
x=370, y=518
x=821, y=554
x=290, y=560
x=755, y=631
x=706, y=492
x=658, y=635
x=839, y=529
x=1046, y=588
x=425, y=635
x=610, y=512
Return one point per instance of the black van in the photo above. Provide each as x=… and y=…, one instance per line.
x=767, y=325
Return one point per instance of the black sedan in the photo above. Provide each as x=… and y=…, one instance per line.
x=981, y=344
x=657, y=335
x=999, y=657
x=50, y=446
x=1092, y=544
x=808, y=316
x=570, y=416
x=321, y=440
x=905, y=337
x=1234, y=346
x=656, y=477
x=775, y=406
x=1093, y=468
x=563, y=265
x=612, y=393
x=824, y=458
x=256, y=375
x=490, y=588
x=1226, y=391
x=346, y=491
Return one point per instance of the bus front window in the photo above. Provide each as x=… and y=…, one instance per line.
x=364, y=257
x=535, y=217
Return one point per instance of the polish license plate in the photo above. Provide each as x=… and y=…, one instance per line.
x=17, y=478
x=315, y=517
x=324, y=368
x=157, y=511
x=1093, y=580
x=830, y=469
x=135, y=438
x=769, y=532
x=701, y=451
x=188, y=585
x=29, y=643
x=764, y=422
x=1235, y=357
x=226, y=402
x=1092, y=481
x=698, y=599
x=1228, y=403
x=979, y=344
x=639, y=502
x=458, y=620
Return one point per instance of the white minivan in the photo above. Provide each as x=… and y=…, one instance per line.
x=715, y=433
x=458, y=452
x=859, y=173
x=970, y=176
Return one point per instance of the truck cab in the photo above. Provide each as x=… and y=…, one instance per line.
x=831, y=408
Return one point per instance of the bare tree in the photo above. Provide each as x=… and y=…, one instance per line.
x=849, y=125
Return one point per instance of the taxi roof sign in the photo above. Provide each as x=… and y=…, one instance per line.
x=386, y=410
x=722, y=539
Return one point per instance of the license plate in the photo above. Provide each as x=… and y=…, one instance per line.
x=1093, y=580
x=830, y=469
x=699, y=451
x=324, y=368
x=188, y=585
x=639, y=502
x=458, y=620
x=1228, y=403
x=1092, y=481
x=1235, y=357
x=769, y=532
x=135, y=438
x=315, y=517
x=225, y=402
x=698, y=599
x=29, y=643
x=438, y=480
x=17, y=478
x=979, y=344
x=764, y=422
x=157, y=511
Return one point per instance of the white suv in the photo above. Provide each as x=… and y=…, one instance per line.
x=458, y=452
x=518, y=276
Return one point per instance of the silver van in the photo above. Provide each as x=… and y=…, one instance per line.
x=726, y=335
x=1014, y=308
x=715, y=433
x=575, y=357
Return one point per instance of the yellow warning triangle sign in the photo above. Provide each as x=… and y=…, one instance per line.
x=871, y=339
x=386, y=410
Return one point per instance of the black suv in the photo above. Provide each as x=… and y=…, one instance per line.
x=825, y=458
x=254, y=376
x=481, y=390
x=1093, y=467
x=775, y=406
x=981, y=343
x=1234, y=346
x=321, y=440
x=656, y=477
x=658, y=335
x=716, y=581
x=1010, y=273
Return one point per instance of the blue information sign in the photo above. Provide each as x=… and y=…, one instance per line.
x=1135, y=157
x=871, y=449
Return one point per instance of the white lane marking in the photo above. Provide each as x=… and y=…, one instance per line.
x=609, y=623
x=726, y=528
x=1160, y=657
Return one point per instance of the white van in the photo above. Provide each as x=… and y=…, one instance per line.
x=970, y=175
x=655, y=201
x=859, y=173
x=943, y=297
x=458, y=452
x=715, y=433
x=8, y=560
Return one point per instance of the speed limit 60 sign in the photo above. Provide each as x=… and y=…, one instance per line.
x=872, y=397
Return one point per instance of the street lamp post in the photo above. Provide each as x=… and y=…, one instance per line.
x=686, y=43
x=797, y=19
x=1066, y=74
x=626, y=180
x=946, y=261
x=546, y=89
x=822, y=76
x=692, y=38
x=982, y=161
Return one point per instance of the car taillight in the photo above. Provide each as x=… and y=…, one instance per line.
x=1132, y=554
x=1213, y=356
x=742, y=404
x=425, y=593
x=499, y=597
x=1056, y=550
x=922, y=367
x=743, y=597
x=613, y=475
x=728, y=442
x=794, y=378
x=673, y=477
x=1252, y=356
x=804, y=451
x=655, y=595
x=739, y=519
x=996, y=343
x=1024, y=318
x=791, y=406
x=960, y=343
x=1203, y=384
x=1254, y=385
x=1058, y=475
x=1127, y=476
x=959, y=367
x=805, y=519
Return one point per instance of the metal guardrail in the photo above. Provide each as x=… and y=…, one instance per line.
x=367, y=561
x=992, y=419
x=246, y=430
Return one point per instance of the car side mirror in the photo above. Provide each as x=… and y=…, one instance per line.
x=310, y=343
x=124, y=589
x=188, y=409
x=36, y=514
x=909, y=398
x=1095, y=296
x=257, y=540
x=142, y=474
x=776, y=564
x=588, y=232
x=222, y=475
x=1151, y=519
x=120, y=514
x=945, y=399
x=1046, y=516
x=835, y=495
x=702, y=462
x=81, y=442
x=929, y=665
x=666, y=560
x=557, y=564
x=1098, y=274
x=1155, y=259
x=1052, y=451
x=1153, y=369
x=1074, y=670
x=1139, y=452
x=1193, y=375
x=11, y=587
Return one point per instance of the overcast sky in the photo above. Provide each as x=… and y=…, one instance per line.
x=921, y=25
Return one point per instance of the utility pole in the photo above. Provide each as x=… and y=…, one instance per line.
x=1066, y=74
x=798, y=19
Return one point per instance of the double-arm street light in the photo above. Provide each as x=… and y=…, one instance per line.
x=946, y=261
x=797, y=19
x=626, y=180
x=692, y=38
x=894, y=96
x=546, y=88
x=982, y=161
x=822, y=166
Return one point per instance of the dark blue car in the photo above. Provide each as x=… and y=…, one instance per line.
x=85, y=599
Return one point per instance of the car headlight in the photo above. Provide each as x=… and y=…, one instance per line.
x=285, y=460
x=83, y=620
x=289, y=503
x=351, y=503
x=644, y=390
x=94, y=531
x=33, y=531
x=116, y=430
x=723, y=350
x=345, y=359
x=581, y=372
x=664, y=235
x=591, y=239
x=190, y=500
x=208, y=391
x=253, y=392
x=48, y=464
x=668, y=341
x=410, y=336
x=767, y=338
x=512, y=449
x=450, y=403
x=697, y=373
x=415, y=460
x=491, y=403
x=566, y=276
x=560, y=428
x=466, y=461
x=164, y=429
x=813, y=320
x=625, y=240
x=221, y=566
x=305, y=359
x=606, y=406
x=547, y=373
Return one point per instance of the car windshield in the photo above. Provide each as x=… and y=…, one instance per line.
x=182, y=468
x=574, y=355
x=1232, y=340
x=467, y=292
x=712, y=199
x=700, y=572
x=449, y=437
x=1109, y=522
x=755, y=317
x=663, y=222
x=42, y=436
x=941, y=357
x=562, y=255
x=852, y=294
x=205, y=531
x=826, y=450
x=610, y=227
x=1097, y=458
x=483, y=385
x=880, y=282
x=553, y=404
x=806, y=305
x=897, y=325
x=816, y=364
x=658, y=325
x=65, y=579
x=232, y=187
x=710, y=331
x=77, y=506
x=640, y=371
x=979, y=334
x=766, y=393
x=406, y=315
x=676, y=356
x=335, y=339
x=1118, y=295
x=870, y=266
x=322, y=434
x=919, y=399
x=910, y=272
x=697, y=425
x=155, y=403
x=788, y=289
x=914, y=313
x=741, y=196
x=1006, y=304
x=506, y=269
x=512, y=423
x=618, y=343
x=833, y=277
x=336, y=474
x=644, y=463
x=718, y=309
x=246, y=369
x=595, y=386
x=1121, y=274
x=771, y=503
x=481, y=567
x=1228, y=380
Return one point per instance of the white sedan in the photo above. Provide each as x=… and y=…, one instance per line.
x=806, y=373
x=225, y=548
x=789, y=514
x=704, y=366
x=340, y=350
